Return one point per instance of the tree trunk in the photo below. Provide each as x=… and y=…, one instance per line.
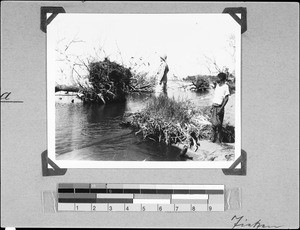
x=72, y=88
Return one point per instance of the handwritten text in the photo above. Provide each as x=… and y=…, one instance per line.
x=241, y=222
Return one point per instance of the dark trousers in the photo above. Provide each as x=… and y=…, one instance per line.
x=164, y=88
x=217, y=122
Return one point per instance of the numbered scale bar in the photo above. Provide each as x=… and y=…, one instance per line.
x=140, y=197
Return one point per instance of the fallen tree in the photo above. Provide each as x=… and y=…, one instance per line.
x=109, y=82
x=69, y=88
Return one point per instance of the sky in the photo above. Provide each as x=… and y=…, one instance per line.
x=186, y=39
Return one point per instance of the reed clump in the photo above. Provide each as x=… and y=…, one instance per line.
x=166, y=120
x=169, y=121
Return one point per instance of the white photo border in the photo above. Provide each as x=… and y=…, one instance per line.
x=50, y=69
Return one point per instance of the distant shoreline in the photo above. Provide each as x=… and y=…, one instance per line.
x=229, y=117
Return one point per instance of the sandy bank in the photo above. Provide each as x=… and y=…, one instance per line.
x=209, y=151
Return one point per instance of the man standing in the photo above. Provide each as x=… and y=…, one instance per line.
x=163, y=73
x=219, y=101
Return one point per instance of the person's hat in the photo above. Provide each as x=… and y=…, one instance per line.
x=164, y=57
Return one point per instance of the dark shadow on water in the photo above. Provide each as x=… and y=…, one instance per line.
x=94, y=131
x=202, y=93
x=96, y=113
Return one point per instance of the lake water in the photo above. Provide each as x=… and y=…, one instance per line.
x=92, y=132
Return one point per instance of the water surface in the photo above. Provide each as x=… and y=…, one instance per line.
x=92, y=132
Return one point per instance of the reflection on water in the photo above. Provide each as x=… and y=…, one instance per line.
x=92, y=132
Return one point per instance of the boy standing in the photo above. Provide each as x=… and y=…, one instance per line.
x=219, y=101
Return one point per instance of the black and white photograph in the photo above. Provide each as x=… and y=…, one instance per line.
x=144, y=90
x=143, y=114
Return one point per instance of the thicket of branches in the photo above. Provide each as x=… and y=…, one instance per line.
x=201, y=84
x=99, y=80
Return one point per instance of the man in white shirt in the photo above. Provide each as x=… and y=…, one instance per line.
x=219, y=101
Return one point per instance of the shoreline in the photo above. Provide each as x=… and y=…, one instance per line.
x=207, y=150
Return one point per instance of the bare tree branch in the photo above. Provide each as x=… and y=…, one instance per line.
x=119, y=51
x=212, y=61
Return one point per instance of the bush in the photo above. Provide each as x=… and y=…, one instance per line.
x=201, y=84
x=190, y=78
x=110, y=82
x=164, y=120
